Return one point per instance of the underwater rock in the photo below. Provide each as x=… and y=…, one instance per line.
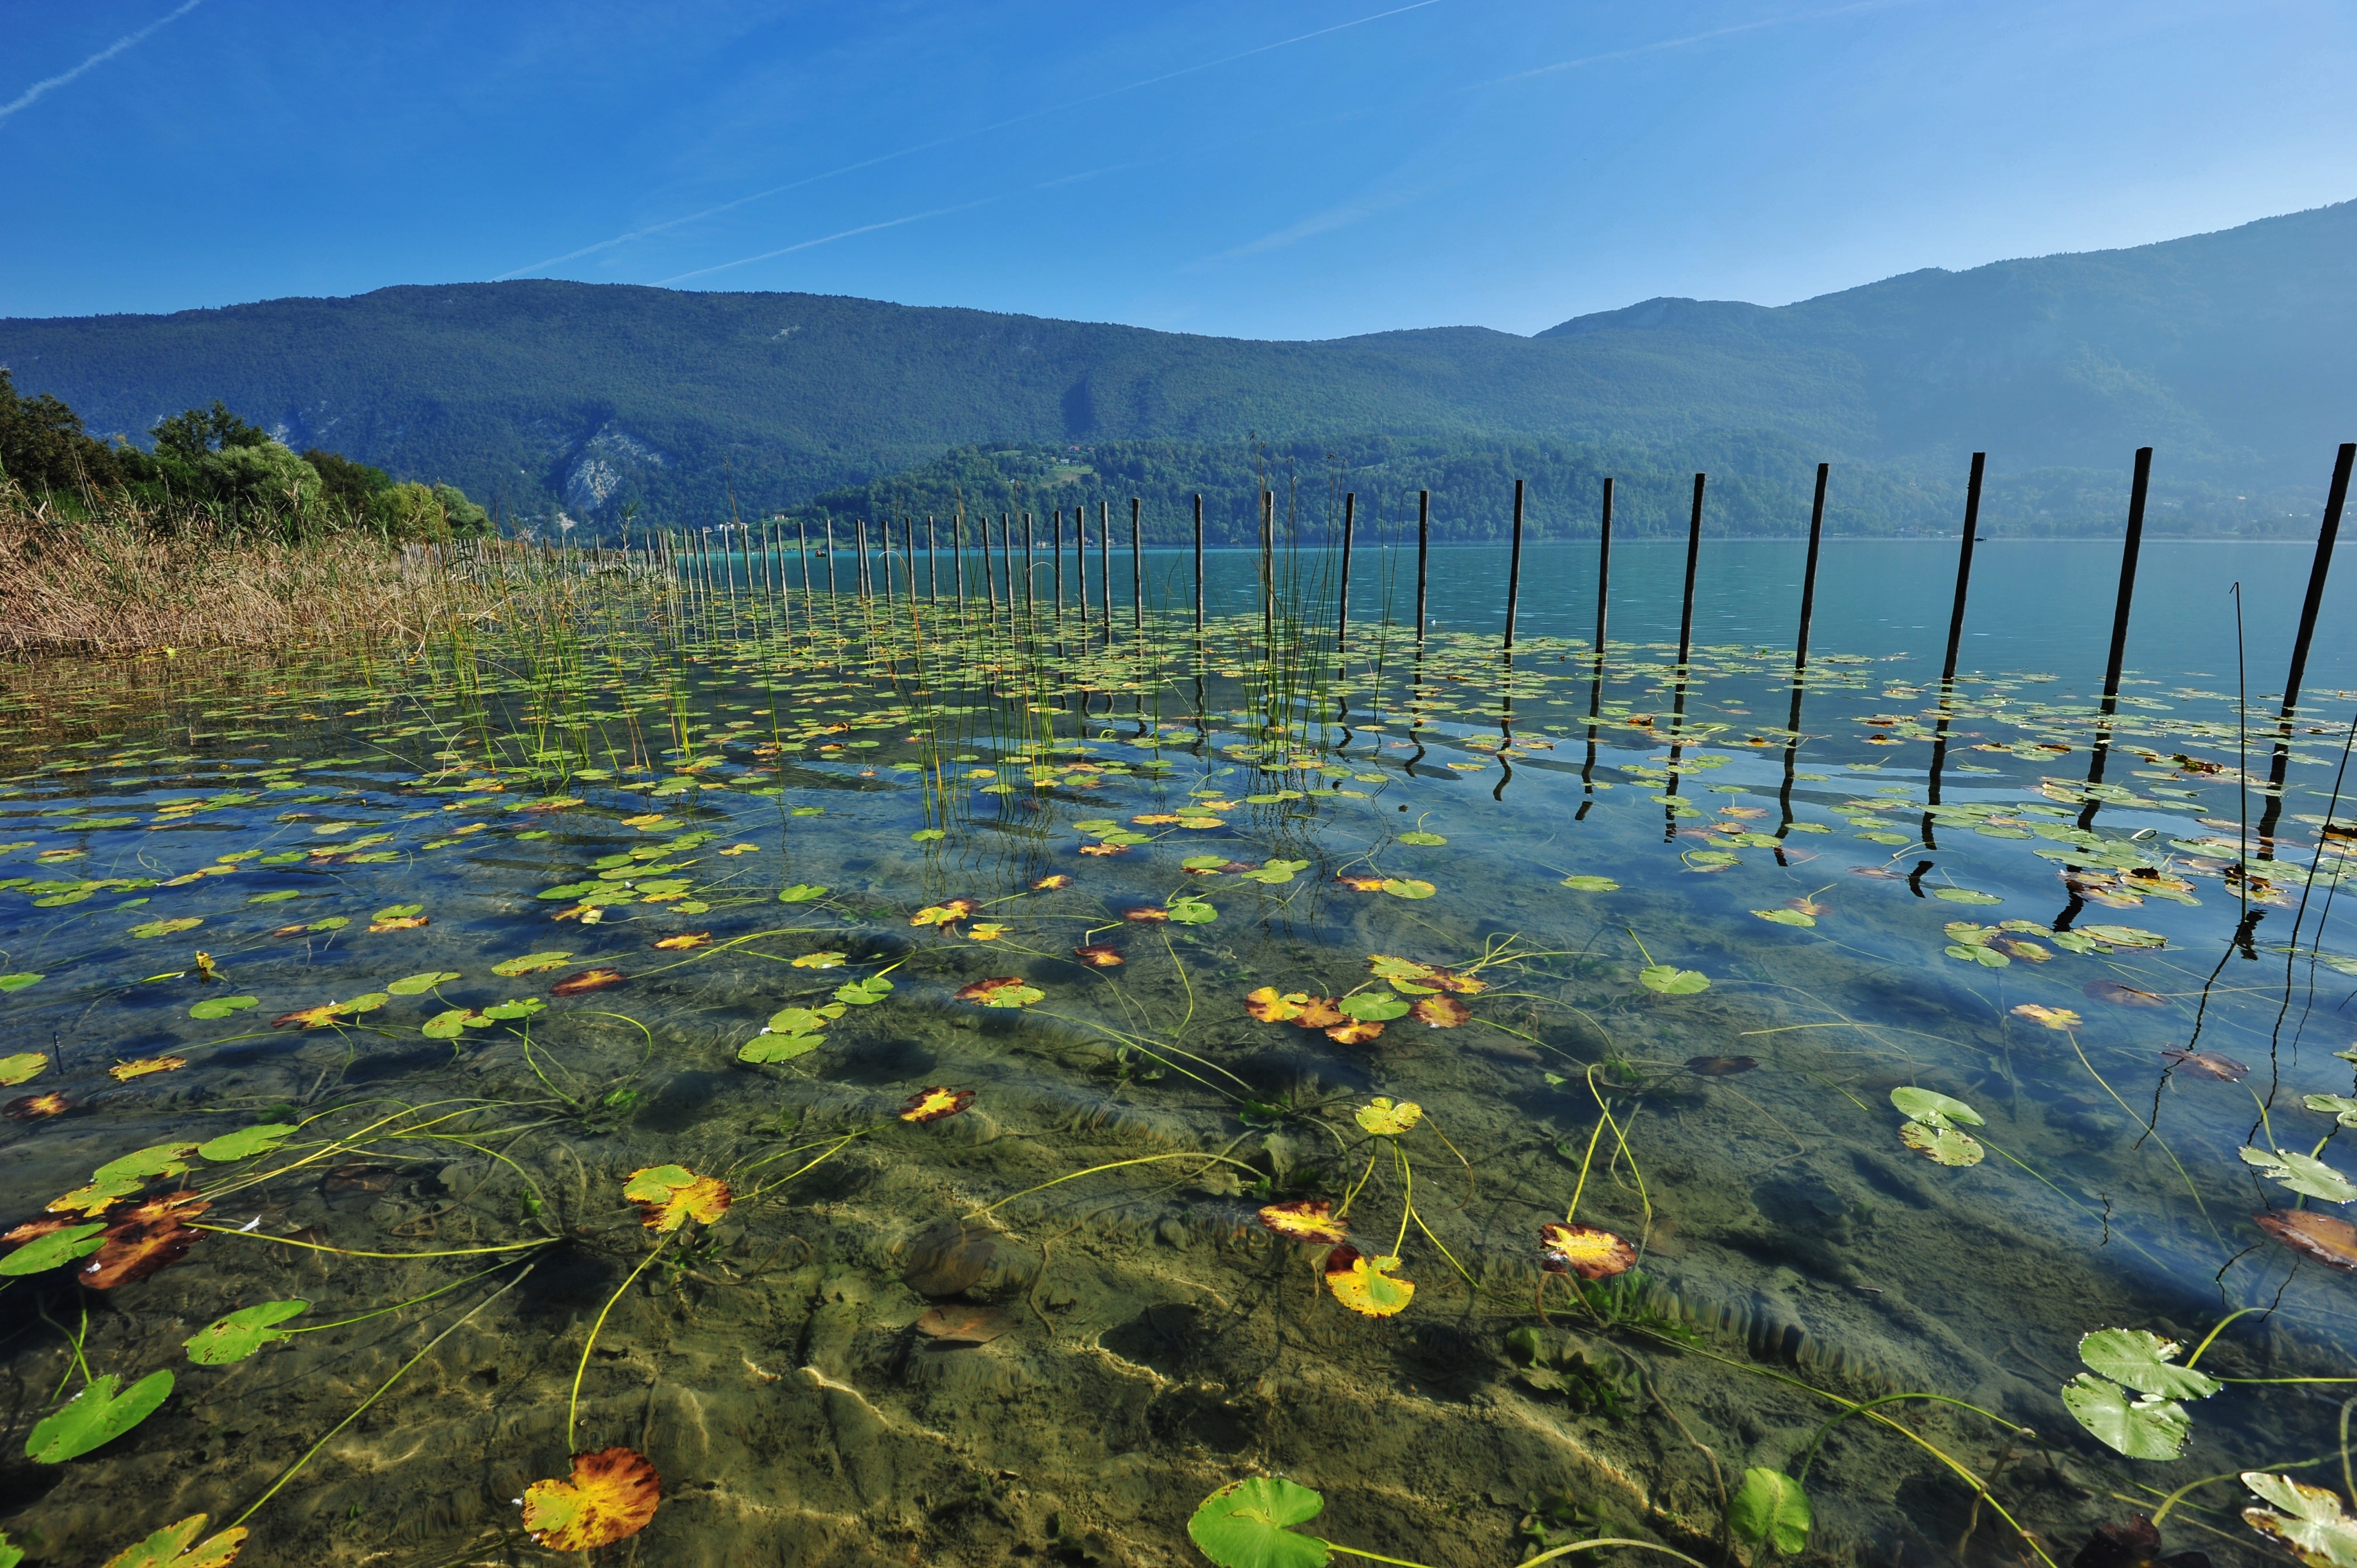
x=954, y=1259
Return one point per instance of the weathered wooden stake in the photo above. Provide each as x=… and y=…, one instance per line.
x=1105, y=563
x=1694, y=554
x=1056, y=553
x=1603, y=572
x=1198, y=566
x=1514, y=569
x=2335, y=499
x=829, y=563
x=2129, y=548
x=1080, y=563
x=1343, y=614
x=1136, y=572
x=1964, y=567
x=1268, y=580
x=1423, y=552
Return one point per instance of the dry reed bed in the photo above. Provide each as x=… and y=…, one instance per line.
x=123, y=581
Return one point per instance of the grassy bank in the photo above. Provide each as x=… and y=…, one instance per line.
x=128, y=577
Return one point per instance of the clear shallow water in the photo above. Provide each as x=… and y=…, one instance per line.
x=1144, y=1338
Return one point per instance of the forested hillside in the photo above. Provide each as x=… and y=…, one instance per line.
x=2227, y=351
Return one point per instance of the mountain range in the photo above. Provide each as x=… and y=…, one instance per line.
x=2229, y=352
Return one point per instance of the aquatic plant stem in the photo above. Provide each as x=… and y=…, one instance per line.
x=353, y=1252
x=1607, y=1540
x=1117, y=1165
x=2072, y=1035
x=288, y=1473
x=398, y=1306
x=573, y=1406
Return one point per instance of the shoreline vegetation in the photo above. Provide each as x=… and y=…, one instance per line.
x=220, y=537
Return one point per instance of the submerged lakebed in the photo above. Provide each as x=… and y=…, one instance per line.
x=960, y=1086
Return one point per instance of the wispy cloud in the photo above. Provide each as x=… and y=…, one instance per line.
x=1316, y=223
x=50, y=84
x=826, y=240
x=1063, y=106
x=1658, y=46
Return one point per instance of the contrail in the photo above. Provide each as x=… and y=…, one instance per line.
x=1061, y=107
x=827, y=240
x=25, y=98
x=1700, y=38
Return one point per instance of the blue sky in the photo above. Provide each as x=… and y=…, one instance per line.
x=1285, y=170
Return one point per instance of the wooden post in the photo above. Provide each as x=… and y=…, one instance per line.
x=957, y=554
x=1104, y=564
x=801, y=533
x=2336, y=497
x=1422, y=549
x=1199, y=565
x=1342, y=615
x=1007, y=559
x=1136, y=572
x=932, y=565
x=1028, y=580
x=1694, y=554
x=1808, y=579
x=1080, y=563
x=1268, y=579
x=1964, y=567
x=829, y=563
x=1056, y=553
x=1514, y=569
x=1603, y=572
x=989, y=582
x=2129, y=547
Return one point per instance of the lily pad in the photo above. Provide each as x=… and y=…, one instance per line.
x=776, y=1048
x=1304, y=1219
x=419, y=984
x=247, y=1142
x=530, y=963
x=1770, y=1509
x=1408, y=888
x=1941, y=1145
x=166, y=927
x=96, y=1416
x=1243, y=1525
x=1367, y=1285
x=1935, y=1110
x=1671, y=981
x=2312, y=1525
x=221, y=1007
x=45, y=1253
x=23, y=1067
x=2145, y=1362
x=610, y=1496
x=1374, y=1006
x=242, y=1333
x=1421, y=838
x=1585, y=1251
x=1784, y=917
x=2146, y=1428
x=1585, y=883
x=801, y=893
x=1192, y=912
x=172, y=1547
x=1385, y=1119
x=2302, y=1174
x=670, y=1196
x=1965, y=896
x=1275, y=872
x=864, y=992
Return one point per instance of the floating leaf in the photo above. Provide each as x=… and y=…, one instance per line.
x=2047, y=1017
x=1355, y=1032
x=946, y=913
x=1376, y=1007
x=1585, y=1251
x=1585, y=883
x=1965, y=896
x=419, y=984
x=156, y=1160
x=1936, y=1109
x=2145, y=1362
x=2147, y=1428
x=32, y=1107
x=1050, y=883
x=397, y=923
x=1943, y=1144
x=922, y=835
x=23, y=1067
x=1408, y=888
x=166, y=927
x=866, y=992
x=2125, y=936
x=123, y=1072
x=52, y=1247
x=1270, y=1007
x=1192, y=911
x=2314, y=1528
x=17, y=981
x=242, y=1333
x=1367, y=1285
x=1770, y=1509
x=1980, y=953
x=804, y=1020
x=1242, y=1525
x=1442, y=1013
x=2340, y=1107
x=135, y=1249
x=1385, y=1119
x=170, y=1548
x=221, y=1007
x=450, y=1024
x=398, y=911
x=1001, y=990
x=1671, y=981
x=2302, y=1174
x=97, y=1197
x=611, y=1495
x=1097, y=955
x=933, y=1104
x=685, y=941
x=97, y=1415
x=2329, y=1241
x=776, y=1048
x=1304, y=1220
x=801, y=893
x=530, y=963
x=670, y=1196
x=1785, y=917
x=2210, y=1064
x=587, y=980
x=820, y=961
x=1275, y=873
x=247, y=1142
x=1421, y=838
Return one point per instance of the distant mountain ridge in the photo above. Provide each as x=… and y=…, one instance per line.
x=2228, y=352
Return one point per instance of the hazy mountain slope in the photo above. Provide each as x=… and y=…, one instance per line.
x=2228, y=350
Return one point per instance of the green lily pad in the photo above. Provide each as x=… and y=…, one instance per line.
x=1671, y=981
x=776, y=1048
x=1941, y=1145
x=929, y=835
x=247, y=1142
x=2340, y=1107
x=1932, y=1109
x=1275, y=873
x=1585, y=883
x=1784, y=917
x=279, y=897
x=1242, y=1525
x=221, y=1007
x=96, y=1416
x=17, y=981
x=450, y=1024
x=404, y=911
x=864, y=993
x=1421, y=838
x=530, y=962
x=1965, y=896
x=1770, y=1509
x=801, y=892
x=1192, y=912
x=242, y=1333
x=569, y=890
x=45, y=1253
x=521, y=1007
x=1973, y=953
x=1374, y=1006
x=166, y=927
x=2302, y=1174
x=2147, y=1428
x=155, y=1160
x=2145, y=1362
x=419, y=984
